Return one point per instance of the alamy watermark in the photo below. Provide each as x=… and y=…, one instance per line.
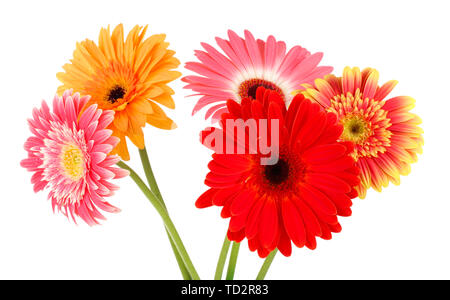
x=247, y=137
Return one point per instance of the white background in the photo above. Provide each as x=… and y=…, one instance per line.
x=402, y=233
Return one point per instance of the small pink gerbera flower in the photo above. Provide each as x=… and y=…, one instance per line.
x=247, y=65
x=68, y=153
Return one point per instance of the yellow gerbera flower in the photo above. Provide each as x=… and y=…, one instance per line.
x=128, y=76
x=386, y=134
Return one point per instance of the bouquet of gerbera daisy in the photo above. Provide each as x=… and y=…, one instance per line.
x=291, y=144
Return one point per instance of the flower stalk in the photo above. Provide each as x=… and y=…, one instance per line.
x=222, y=258
x=170, y=227
x=155, y=189
x=266, y=265
x=233, y=260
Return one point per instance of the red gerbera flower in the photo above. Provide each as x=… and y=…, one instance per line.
x=298, y=198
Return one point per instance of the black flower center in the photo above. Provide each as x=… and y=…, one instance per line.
x=277, y=173
x=116, y=93
x=248, y=88
x=252, y=89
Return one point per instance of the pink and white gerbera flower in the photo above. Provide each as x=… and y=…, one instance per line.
x=68, y=153
x=247, y=65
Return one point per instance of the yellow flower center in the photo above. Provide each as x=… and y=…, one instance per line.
x=365, y=123
x=72, y=162
x=356, y=129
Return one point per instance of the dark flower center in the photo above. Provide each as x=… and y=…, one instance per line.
x=248, y=88
x=116, y=93
x=357, y=129
x=277, y=173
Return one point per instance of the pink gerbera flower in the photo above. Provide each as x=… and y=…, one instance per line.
x=247, y=65
x=68, y=153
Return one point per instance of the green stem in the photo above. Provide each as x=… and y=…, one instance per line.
x=266, y=265
x=170, y=227
x=155, y=189
x=233, y=260
x=149, y=175
x=180, y=262
x=222, y=259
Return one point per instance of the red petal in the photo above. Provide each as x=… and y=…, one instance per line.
x=349, y=177
x=220, y=185
x=232, y=161
x=224, y=170
x=326, y=233
x=327, y=182
x=292, y=112
x=237, y=223
x=342, y=202
x=258, y=110
x=251, y=228
x=317, y=199
x=337, y=165
x=335, y=227
x=312, y=127
x=313, y=131
x=293, y=223
x=242, y=203
x=275, y=112
x=275, y=98
x=246, y=105
x=268, y=224
x=205, y=200
x=253, y=244
x=237, y=236
x=284, y=244
x=333, y=130
x=219, y=178
x=309, y=218
x=263, y=253
x=225, y=213
x=311, y=242
x=323, y=153
x=299, y=120
x=224, y=195
x=234, y=108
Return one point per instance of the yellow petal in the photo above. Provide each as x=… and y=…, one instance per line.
x=165, y=100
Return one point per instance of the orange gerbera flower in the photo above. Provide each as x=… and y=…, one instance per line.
x=385, y=132
x=128, y=76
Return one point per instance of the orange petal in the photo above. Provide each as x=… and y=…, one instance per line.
x=121, y=149
x=137, y=137
x=161, y=122
x=121, y=121
x=141, y=105
x=165, y=100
